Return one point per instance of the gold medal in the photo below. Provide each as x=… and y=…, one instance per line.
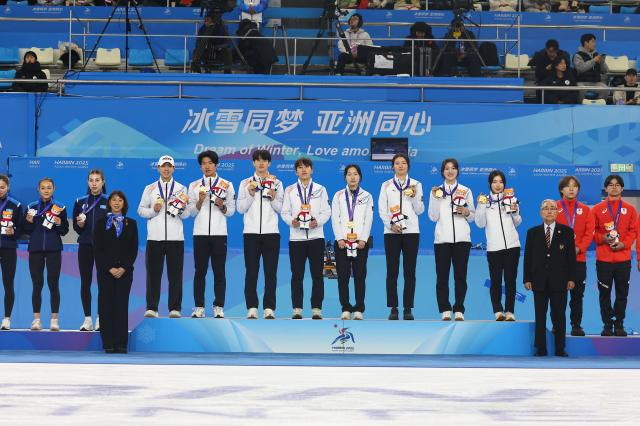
x=409, y=192
x=350, y=225
x=482, y=199
x=202, y=189
x=159, y=200
x=253, y=184
x=438, y=193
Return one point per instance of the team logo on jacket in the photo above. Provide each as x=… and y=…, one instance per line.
x=623, y=210
x=579, y=210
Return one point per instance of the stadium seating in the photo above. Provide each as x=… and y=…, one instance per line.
x=176, y=57
x=108, y=57
x=6, y=74
x=140, y=57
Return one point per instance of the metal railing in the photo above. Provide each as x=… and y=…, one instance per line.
x=422, y=87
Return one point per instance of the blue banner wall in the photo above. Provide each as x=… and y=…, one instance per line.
x=329, y=131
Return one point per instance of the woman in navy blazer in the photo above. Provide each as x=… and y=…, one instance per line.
x=115, y=245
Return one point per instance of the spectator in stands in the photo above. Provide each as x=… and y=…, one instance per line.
x=420, y=38
x=542, y=61
x=536, y=5
x=30, y=70
x=207, y=48
x=347, y=4
x=503, y=5
x=407, y=5
x=51, y=2
x=620, y=97
x=459, y=52
x=590, y=66
x=571, y=6
x=70, y=54
x=258, y=53
x=561, y=77
x=252, y=10
x=379, y=4
x=355, y=36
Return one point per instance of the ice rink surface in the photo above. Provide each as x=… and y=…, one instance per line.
x=138, y=394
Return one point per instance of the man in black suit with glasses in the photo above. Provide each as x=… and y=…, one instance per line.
x=549, y=270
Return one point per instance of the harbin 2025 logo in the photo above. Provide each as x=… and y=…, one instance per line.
x=344, y=342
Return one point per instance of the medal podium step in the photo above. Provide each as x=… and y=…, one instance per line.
x=328, y=336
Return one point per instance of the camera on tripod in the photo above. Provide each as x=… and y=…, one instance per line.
x=331, y=8
x=217, y=7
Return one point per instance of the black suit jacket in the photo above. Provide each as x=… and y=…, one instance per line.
x=115, y=252
x=550, y=268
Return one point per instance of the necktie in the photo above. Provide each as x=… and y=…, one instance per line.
x=547, y=236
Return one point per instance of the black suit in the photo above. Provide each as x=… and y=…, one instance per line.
x=549, y=269
x=113, y=297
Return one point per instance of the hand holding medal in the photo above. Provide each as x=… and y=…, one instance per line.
x=437, y=192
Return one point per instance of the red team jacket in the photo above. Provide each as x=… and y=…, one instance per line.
x=627, y=228
x=583, y=226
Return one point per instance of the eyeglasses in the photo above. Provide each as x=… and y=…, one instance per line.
x=614, y=185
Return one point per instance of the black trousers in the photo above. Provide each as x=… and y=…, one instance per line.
x=53, y=262
x=86, y=261
x=407, y=245
x=458, y=255
x=8, y=259
x=113, y=308
x=155, y=255
x=608, y=273
x=299, y=253
x=345, y=58
x=205, y=248
x=344, y=266
x=503, y=262
x=577, y=294
x=558, y=301
x=266, y=246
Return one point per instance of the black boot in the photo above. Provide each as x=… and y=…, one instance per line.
x=407, y=315
x=576, y=330
x=607, y=330
x=393, y=315
x=619, y=331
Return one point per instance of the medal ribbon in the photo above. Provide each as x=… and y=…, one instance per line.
x=95, y=203
x=170, y=191
x=41, y=212
x=571, y=220
x=617, y=218
x=307, y=194
x=351, y=209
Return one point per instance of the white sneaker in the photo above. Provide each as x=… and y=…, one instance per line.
x=198, y=312
x=357, y=315
x=268, y=314
x=36, y=324
x=346, y=315
x=252, y=313
x=151, y=314
x=87, y=325
x=510, y=316
x=297, y=313
x=316, y=314
x=499, y=316
x=97, y=327
x=446, y=316
x=175, y=314
x=6, y=324
x=54, y=325
x=218, y=312
x=459, y=316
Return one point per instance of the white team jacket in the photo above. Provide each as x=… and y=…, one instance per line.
x=320, y=210
x=450, y=227
x=260, y=214
x=209, y=220
x=411, y=206
x=499, y=226
x=362, y=215
x=161, y=226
